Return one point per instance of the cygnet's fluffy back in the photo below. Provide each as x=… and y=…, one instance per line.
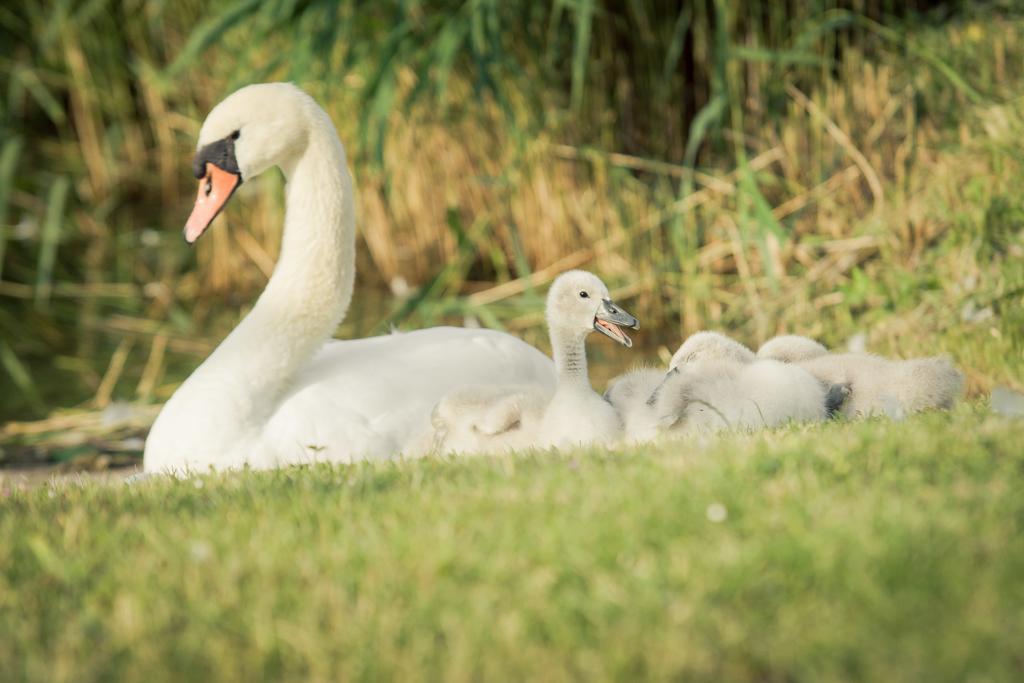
x=486, y=419
x=894, y=388
x=630, y=395
x=716, y=395
x=702, y=346
x=791, y=348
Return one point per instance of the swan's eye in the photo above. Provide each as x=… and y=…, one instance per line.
x=209, y=186
x=234, y=136
x=584, y=295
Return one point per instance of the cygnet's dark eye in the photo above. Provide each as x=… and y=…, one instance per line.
x=584, y=295
x=234, y=136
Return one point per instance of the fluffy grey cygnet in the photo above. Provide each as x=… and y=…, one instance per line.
x=716, y=383
x=878, y=386
x=706, y=345
x=632, y=396
x=712, y=395
x=791, y=348
x=488, y=419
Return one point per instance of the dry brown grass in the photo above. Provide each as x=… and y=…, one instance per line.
x=854, y=206
x=856, y=174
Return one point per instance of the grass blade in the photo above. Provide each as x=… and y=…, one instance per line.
x=8, y=161
x=581, y=50
x=49, y=240
x=21, y=377
x=210, y=32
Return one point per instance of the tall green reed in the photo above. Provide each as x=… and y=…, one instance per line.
x=572, y=132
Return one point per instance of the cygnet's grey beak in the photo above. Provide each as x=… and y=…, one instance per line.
x=610, y=319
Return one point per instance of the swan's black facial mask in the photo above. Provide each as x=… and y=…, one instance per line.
x=217, y=170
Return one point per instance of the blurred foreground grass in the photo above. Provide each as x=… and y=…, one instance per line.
x=846, y=552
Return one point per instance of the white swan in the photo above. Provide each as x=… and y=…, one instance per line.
x=274, y=393
x=878, y=386
x=488, y=419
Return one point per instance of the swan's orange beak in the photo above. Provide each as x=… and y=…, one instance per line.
x=215, y=189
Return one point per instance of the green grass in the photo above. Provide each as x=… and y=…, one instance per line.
x=859, y=551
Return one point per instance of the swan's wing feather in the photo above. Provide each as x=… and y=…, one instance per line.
x=369, y=397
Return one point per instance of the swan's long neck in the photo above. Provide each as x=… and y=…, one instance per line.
x=308, y=293
x=570, y=353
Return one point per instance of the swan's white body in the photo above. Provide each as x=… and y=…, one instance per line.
x=399, y=379
x=494, y=419
x=878, y=386
x=274, y=393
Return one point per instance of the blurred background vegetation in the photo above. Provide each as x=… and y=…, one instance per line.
x=838, y=168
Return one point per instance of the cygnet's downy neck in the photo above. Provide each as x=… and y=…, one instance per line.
x=570, y=353
x=311, y=287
